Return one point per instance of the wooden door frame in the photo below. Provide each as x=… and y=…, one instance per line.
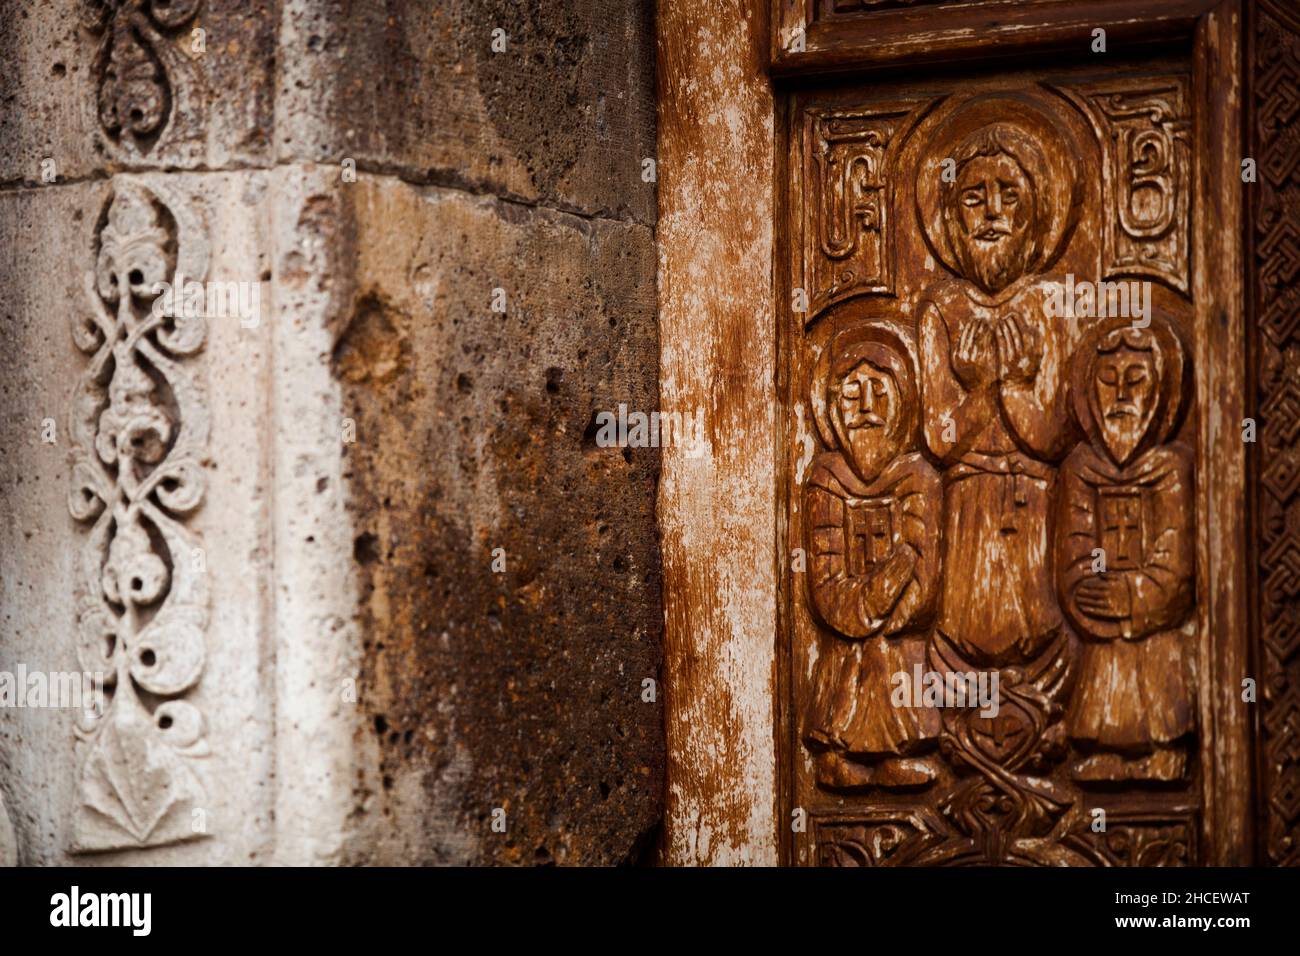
x=721, y=281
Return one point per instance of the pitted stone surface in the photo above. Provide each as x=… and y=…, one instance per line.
x=519, y=689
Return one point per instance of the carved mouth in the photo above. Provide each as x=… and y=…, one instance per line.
x=867, y=421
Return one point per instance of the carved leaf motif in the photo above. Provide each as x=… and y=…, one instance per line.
x=137, y=66
x=136, y=789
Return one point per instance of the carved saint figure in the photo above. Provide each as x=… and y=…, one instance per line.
x=1126, y=554
x=992, y=378
x=871, y=508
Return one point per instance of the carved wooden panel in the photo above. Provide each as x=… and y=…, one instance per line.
x=829, y=8
x=1274, y=129
x=991, y=496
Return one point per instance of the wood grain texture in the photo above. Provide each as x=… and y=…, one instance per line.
x=1120, y=687
x=967, y=32
x=1221, y=389
x=717, y=512
x=891, y=316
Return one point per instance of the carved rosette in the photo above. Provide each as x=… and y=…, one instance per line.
x=144, y=81
x=139, y=423
x=1275, y=202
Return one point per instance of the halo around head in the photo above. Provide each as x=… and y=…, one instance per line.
x=1045, y=150
x=857, y=342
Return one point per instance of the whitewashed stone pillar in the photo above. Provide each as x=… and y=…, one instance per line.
x=238, y=242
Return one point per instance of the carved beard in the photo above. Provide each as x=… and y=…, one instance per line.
x=1123, y=435
x=868, y=448
x=994, y=265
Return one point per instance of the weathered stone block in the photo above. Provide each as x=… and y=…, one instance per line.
x=562, y=116
x=519, y=688
x=186, y=85
x=95, y=791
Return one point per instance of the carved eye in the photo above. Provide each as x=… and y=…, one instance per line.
x=972, y=197
x=851, y=390
x=1010, y=196
x=1135, y=375
x=878, y=387
x=1108, y=376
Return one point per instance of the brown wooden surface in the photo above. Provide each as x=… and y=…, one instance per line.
x=1129, y=699
x=967, y=32
x=717, y=513
x=1273, y=42
x=1118, y=694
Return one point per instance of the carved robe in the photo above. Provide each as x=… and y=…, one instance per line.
x=874, y=563
x=1134, y=689
x=998, y=603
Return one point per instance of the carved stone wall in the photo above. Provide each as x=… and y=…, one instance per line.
x=991, y=477
x=266, y=508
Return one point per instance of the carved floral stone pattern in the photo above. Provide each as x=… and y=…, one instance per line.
x=970, y=450
x=138, y=69
x=1275, y=200
x=139, y=422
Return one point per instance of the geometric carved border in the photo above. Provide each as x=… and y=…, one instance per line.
x=1144, y=838
x=872, y=838
x=1274, y=200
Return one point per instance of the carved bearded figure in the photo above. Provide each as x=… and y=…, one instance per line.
x=1127, y=554
x=872, y=520
x=992, y=378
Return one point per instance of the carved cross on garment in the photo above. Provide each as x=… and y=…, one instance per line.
x=1121, y=527
x=868, y=533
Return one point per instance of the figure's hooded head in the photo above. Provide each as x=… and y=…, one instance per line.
x=864, y=397
x=1128, y=386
